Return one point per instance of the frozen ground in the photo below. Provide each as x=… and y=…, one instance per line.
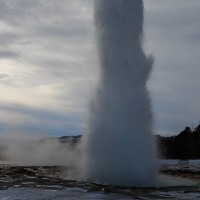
x=188, y=169
x=67, y=193
x=41, y=183
x=78, y=194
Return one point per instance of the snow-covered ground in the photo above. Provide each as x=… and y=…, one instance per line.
x=47, y=188
x=51, y=194
x=177, y=162
x=79, y=194
x=189, y=165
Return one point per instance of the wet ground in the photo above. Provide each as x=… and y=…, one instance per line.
x=186, y=169
x=48, y=182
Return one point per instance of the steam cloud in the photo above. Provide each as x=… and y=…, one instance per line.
x=118, y=144
x=41, y=152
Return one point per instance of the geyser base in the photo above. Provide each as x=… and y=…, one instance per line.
x=18, y=182
x=140, y=174
x=161, y=181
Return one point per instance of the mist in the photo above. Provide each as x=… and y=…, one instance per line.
x=41, y=152
x=118, y=144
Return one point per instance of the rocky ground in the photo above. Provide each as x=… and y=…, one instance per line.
x=51, y=178
x=183, y=168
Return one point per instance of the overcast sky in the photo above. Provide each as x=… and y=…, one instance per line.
x=48, y=64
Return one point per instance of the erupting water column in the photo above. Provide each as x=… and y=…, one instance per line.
x=118, y=146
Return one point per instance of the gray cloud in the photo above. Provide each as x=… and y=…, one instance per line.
x=8, y=54
x=171, y=28
x=3, y=76
x=42, y=121
x=48, y=55
x=65, y=31
x=193, y=38
x=7, y=38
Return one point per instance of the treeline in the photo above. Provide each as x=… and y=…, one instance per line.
x=185, y=145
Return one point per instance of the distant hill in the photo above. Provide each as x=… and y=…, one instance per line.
x=70, y=139
x=186, y=145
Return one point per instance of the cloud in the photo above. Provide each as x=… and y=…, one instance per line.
x=8, y=54
x=22, y=119
x=193, y=38
x=7, y=38
x=48, y=55
x=46, y=48
x=3, y=76
x=170, y=29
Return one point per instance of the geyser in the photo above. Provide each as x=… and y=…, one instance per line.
x=118, y=144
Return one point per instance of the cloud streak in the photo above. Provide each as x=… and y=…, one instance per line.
x=48, y=56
